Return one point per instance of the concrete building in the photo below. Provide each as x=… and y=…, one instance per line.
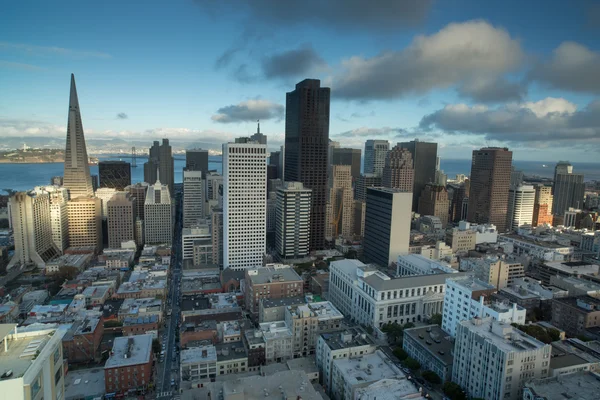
x=542, y=206
x=32, y=359
x=193, y=197
x=434, y=201
x=307, y=148
x=397, y=388
x=569, y=190
x=244, y=204
x=59, y=216
x=158, y=215
x=292, y=220
x=278, y=341
x=274, y=281
x=493, y=270
x=490, y=182
x=114, y=174
x=387, y=225
x=432, y=348
x=196, y=160
x=213, y=191
x=192, y=234
x=271, y=310
x=340, y=219
x=32, y=229
x=439, y=251
x=398, y=172
x=576, y=314
x=85, y=222
x=372, y=298
x=375, y=156
x=216, y=227
x=128, y=369
x=493, y=360
x=198, y=364
x=347, y=156
x=424, y=157
x=415, y=264
x=461, y=240
x=465, y=299
x=121, y=219
x=105, y=194
x=542, y=250
x=160, y=163
x=521, y=200
x=308, y=321
x=576, y=286
x=138, y=191
x=580, y=385
x=363, y=182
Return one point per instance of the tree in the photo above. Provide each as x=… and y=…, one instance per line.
x=554, y=334
x=431, y=377
x=454, y=391
x=393, y=331
x=112, y=324
x=156, y=346
x=400, y=353
x=412, y=364
x=436, y=319
x=408, y=325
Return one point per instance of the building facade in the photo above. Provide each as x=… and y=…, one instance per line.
x=398, y=172
x=542, y=206
x=196, y=160
x=121, y=219
x=375, y=156
x=434, y=201
x=521, y=201
x=114, y=174
x=270, y=282
x=158, y=215
x=128, y=370
x=347, y=156
x=569, y=191
x=193, y=197
x=85, y=222
x=160, y=164
x=424, y=157
x=292, y=220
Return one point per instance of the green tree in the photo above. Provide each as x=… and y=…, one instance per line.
x=454, y=391
x=431, y=377
x=400, y=353
x=554, y=334
x=112, y=324
x=393, y=331
x=408, y=325
x=436, y=319
x=412, y=364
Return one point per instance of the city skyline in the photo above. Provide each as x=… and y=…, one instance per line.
x=516, y=92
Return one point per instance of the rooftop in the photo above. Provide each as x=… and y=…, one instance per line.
x=541, y=243
x=135, y=306
x=230, y=351
x=389, y=389
x=95, y=291
x=379, y=283
x=194, y=302
x=130, y=350
x=284, y=302
x=140, y=320
x=272, y=274
x=275, y=330
x=566, y=360
x=201, y=354
x=574, y=268
x=583, y=303
x=284, y=384
x=435, y=340
x=367, y=368
x=82, y=383
x=471, y=283
x=323, y=310
x=504, y=336
x=82, y=327
x=351, y=337
x=576, y=386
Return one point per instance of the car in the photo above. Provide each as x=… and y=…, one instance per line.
x=172, y=382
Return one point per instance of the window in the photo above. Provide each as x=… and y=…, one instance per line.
x=57, y=376
x=57, y=355
x=36, y=386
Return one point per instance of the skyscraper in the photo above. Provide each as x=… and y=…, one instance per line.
x=521, y=200
x=158, y=215
x=341, y=205
x=114, y=174
x=160, y=161
x=259, y=137
x=375, y=155
x=244, y=204
x=85, y=222
x=434, y=201
x=306, y=148
x=292, y=221
x=193, y=198
x=347, y=156
x=196, y=160
x=398, y=172
x=77, y=177
x=542, y=206
x=138, y=191
x=489, y=184
x=121, y=219
x=387, y=225
x=424, y=155
x=31, y=222
x=59, y=196
x=561, y=167
x=569, y=189
x=363, y=182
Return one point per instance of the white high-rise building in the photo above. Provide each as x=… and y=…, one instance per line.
x=521, y=200
x=213, y=191
x=292, y=220
x=59, y=196
x=375, y=154
x=193, y=197
x=32, y=226
x=105, y=194
x=244, y=204
x=158, y=215
x=493, y=360
x=198, y=232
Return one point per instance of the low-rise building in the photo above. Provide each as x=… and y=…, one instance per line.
x=136, y=308
x=81, y=343
x=540, y=249
x=96, y=295
x=144, y=284
x=432, y=348
x=576, y=314
x=271, y=310
x=197, y=364
x=140, y=325
x=85, y=384
x=576, y=286
x=79, y=261
x=580, y=385
x=255, y=346
x=193, y=334
x=388, y=389
x=580, y=269
x=493, y=270
x=232, y=358
x=278, y=341
x=128, y=369
x=200, y=282
x=274, y=281
x=414, y=264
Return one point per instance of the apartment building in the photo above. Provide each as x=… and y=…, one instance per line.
x=274, y=281
x=307, y=321
x=128, y=369
x=494, y=270
x=576, y=314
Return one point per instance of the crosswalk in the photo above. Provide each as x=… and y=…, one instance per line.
x=168, y=395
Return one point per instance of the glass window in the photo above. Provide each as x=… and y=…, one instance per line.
x=36, y=386
x=57, y=355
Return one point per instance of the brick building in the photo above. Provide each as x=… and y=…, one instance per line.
x=274, y=281
x=128, y=370
x=81, y=343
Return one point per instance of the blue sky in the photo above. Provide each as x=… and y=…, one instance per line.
x=463, y=73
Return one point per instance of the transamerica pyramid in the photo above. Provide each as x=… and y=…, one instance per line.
x=77, y=171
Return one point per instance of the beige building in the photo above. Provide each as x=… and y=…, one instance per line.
x=434, y=201
x=493, y=270
x=398, y=172
x=308, y=321
x=121, y=219
x=85, y=222
x=59, y=216
x=461, y=240
x=341, y=208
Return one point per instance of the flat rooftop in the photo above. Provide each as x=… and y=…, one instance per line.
x=230, y=351
x=592, y=304
x=434, y=340
x=367, y=368
x=202, y=354
x=84, y=383
x=323, y=310
x=194, y=302
x=343, y=339
x=573, y=268
x=130, y=350
x=542, y=243
x=576, y=386
x=504, y=336
x=272, y=274
x=287, y=301
x=472, y=283
x=390, y=389
x=284, y=384
x=380, y=281
x=274, y=330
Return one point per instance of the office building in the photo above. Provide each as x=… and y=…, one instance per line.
x=138, y=191
x=516, y=178
x=465, y=299
x=105, y=194
x=375, y=156
x=244, y=204
x=32, y=229
x=160, y=163
x=292, y=220
x=576, y=314
x=360, y=213
x=398, y=172
x=275, y=159
x=562, y=168
x=489, y=185
x=542, y=206
x=340, y=202
x=493, y=360
x=114, y=174
x=85, y=222
x=460, y=201
x=372, y=298
x=306, y=149
x=213, y=191
x=158, y=215
x=129, y=366
x=493, y=270
x=569, y=191
x=424, y=159
x=416, y=264
x=274, y=281
x=432, y=348
x=193, y=197
x=32, y=362
x=121, y=219
x=77, y=178
x=521, y=200
x=387, y=225
x=216, y=227
x=347, y=156
x=59, y=216
x=189, y=236
x=364, y=182
x=434, y=201
x=196, y=160
x=259, y=137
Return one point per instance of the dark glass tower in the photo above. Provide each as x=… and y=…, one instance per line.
x=307, y=147
x=197, y=160
x=424, y=155
x=114, y=174
x=160, y=159
x=347, y=156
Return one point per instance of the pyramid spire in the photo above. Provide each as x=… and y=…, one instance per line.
x=73, y=100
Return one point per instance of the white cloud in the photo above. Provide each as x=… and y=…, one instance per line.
x=250, y=110
x=51, y=50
